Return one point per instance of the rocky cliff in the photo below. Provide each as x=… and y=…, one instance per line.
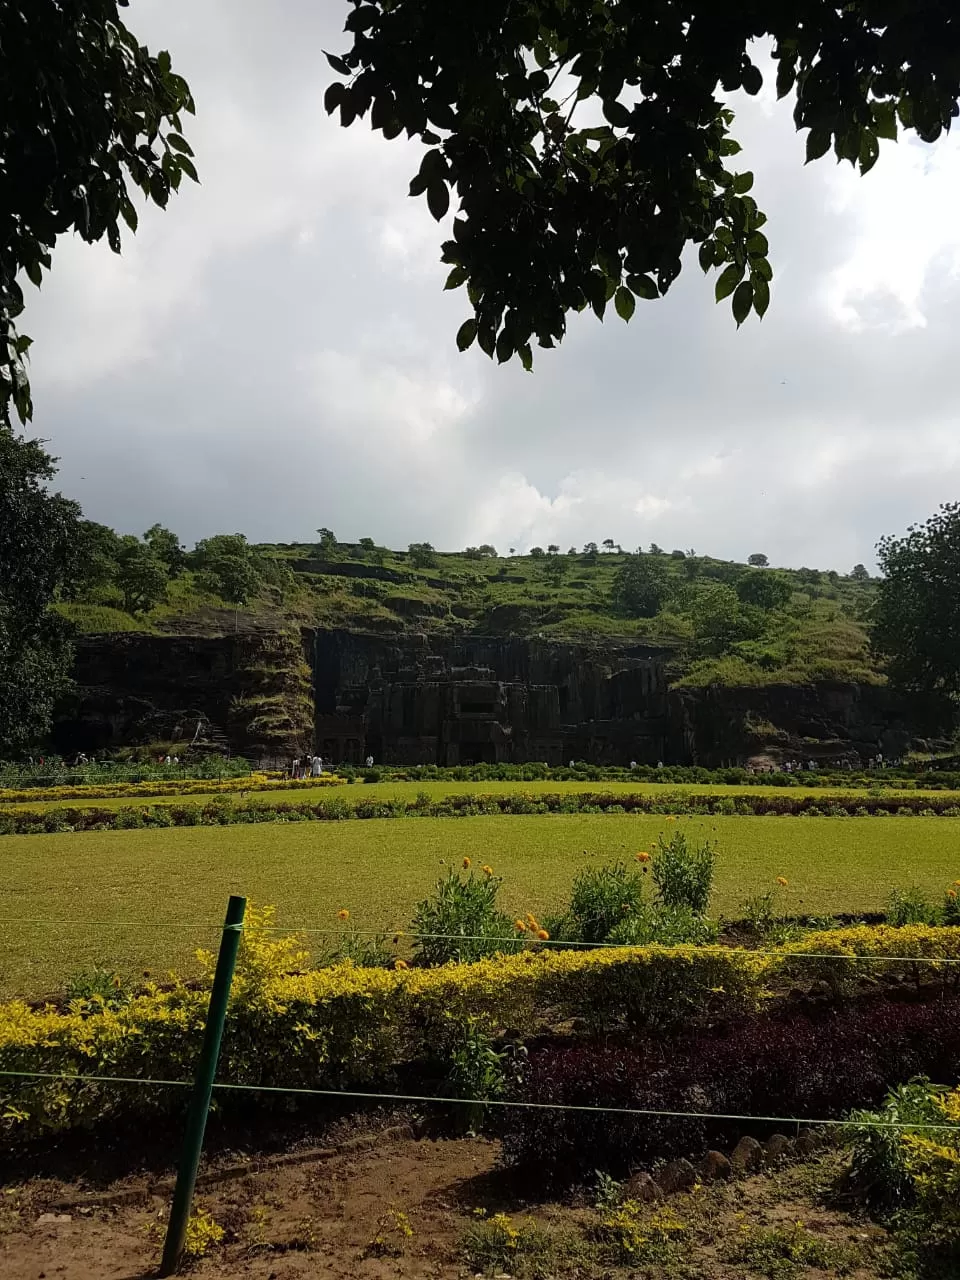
x=431, y=699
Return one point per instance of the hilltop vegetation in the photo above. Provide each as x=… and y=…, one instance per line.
x=721, y=621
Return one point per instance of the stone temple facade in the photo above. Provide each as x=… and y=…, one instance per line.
x=475, y=700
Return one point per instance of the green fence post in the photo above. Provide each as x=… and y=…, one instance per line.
x=203, y=1086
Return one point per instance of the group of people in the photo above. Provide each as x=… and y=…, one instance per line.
x=306, y=767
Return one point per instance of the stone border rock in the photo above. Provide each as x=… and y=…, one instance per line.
x=748, y=1156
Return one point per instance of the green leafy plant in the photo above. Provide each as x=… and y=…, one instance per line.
x=910, y=906
x=683, y=873
x=664, y=925
x=879, y=1163
x=782, y=1253
x=476, y=1069
x=98, y=988
x=461, y=920
x=601, y=898
x=498, y=1244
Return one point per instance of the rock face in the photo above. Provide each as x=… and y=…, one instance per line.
x=449, y=700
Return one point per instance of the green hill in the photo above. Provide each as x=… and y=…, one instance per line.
x=722, y=622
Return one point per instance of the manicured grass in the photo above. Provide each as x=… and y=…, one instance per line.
x=436, y=790
x=380, y=868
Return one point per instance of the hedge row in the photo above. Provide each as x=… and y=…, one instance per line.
x=343, y=1027
x=790, y=1066
x=224, y=812
x=170, y=787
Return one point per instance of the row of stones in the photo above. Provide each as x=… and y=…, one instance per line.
x=748, y=1156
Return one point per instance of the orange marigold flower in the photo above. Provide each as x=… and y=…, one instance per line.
x=400, y=964
x=343, y=914
x=543, y=935
x=951, y=893
x=487, y=869
x=782, y=881
x=643, y=856
x=466, y=864
x=521, y=926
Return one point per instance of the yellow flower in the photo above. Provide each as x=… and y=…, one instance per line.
x=957, y=883
x=521, y=926
x=343, y=914
x=782, y=881
x=466, y=864
x=671, y=817
x=400, y=964
x=487, y=870
x=643, y=856
x=543, y=935
x=951, y=893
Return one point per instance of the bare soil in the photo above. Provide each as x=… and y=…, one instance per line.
x=335, y=1215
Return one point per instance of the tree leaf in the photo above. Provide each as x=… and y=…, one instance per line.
x=761, y=295
x=869, y=150
x=742, y=302
x=526, y=356
x=456, y=278
x=757, y=245
x=504, y=348
x=333, y=97
x=884, y=120
x=32, y=268
x=751, y=81
x=706, y=255
x=742, y=183
x=128, y=213
x=438, y=198
x=786, y=76
x=625, y=303
x=644, y=287
x=818, y=144
x=188, y=168
x=466, y=334
x=179, y=144
x=616, y=113
x=339, y=64
x=728, y=281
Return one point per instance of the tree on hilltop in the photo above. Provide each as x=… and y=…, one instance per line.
x=422, y=555
x=758, y=560
x=559, y=211
x=640, y=586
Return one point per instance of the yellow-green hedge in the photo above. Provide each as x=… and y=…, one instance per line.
x=170, y=787
x=345, y=1027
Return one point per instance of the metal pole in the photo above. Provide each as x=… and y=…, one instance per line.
x=203, y=1086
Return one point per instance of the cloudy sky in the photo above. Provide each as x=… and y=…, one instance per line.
x=275, y=353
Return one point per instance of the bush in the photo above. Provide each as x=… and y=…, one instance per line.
x=665, y=926
x=684, y=874
x=462, y=922
x=879, y=1160
x=910, y=906
x=601, y=898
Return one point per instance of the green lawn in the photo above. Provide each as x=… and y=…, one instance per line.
x=379, y=868
x=385, y=790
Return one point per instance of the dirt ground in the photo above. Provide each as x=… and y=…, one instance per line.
x=400, y=1208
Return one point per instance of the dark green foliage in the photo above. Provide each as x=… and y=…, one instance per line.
x=165, y=546
x=39, y=555
x=422, y=555
x=228, y=565
x=559, y=212
x=879, y=1166
x=461, y=921
x=766, y=590
x=601, y=898
x=141, y=575
x=683, y=873
x=86, y=111
x=917, y=612
x=640, y=587
x=758, y=560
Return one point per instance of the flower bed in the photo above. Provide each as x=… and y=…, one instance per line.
x=791, y=1066
x=224, y=812
x=345, y=1026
